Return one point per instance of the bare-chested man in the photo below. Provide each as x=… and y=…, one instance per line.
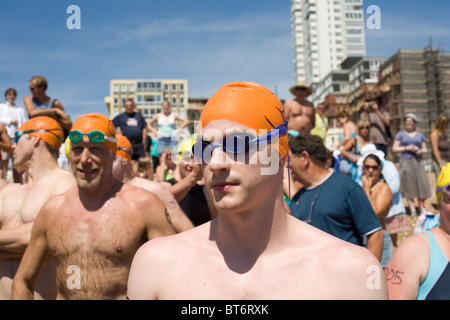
x=123, y=171
x=300, y=112
x=36, y=150
x=253, y=249
x=92, y=231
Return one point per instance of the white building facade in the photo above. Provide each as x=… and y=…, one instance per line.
x=325, y=33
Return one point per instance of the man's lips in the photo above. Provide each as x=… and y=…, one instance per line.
x=87, y=173
x=223, y=186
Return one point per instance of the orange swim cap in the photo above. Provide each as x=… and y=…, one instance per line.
x=96, y=121
x=52, y=133
x=124, y=143
x=250, y=104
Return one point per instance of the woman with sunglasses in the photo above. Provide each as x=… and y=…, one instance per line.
x=414, y=180
x=420, y=268
x=351, y=151
x=380, y=196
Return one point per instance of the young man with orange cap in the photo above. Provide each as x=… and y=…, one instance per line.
x=92, y=231
x=420, y=268
x=35, y=150
x=253, y=249
x=123, y=171
x=300, y=112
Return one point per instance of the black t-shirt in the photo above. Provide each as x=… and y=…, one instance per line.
x=131, y=126
x=195, y=205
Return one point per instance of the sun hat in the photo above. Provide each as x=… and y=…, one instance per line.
x=412, y=116
x=367, y=150
x=301, y=84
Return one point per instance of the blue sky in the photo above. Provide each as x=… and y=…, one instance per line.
x=210, y=43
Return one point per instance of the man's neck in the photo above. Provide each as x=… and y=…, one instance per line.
x=41, y=166
x=42, y=98
x=317, y=178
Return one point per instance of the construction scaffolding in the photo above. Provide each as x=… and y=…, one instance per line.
x=416, y=81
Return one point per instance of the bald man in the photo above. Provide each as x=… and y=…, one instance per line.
x=92, y=231
x=253, y=249
x=35, y=149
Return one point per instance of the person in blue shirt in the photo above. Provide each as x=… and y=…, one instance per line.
x=132, y=125
x=329, y=201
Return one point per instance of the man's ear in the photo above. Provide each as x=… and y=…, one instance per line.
x=36, y=140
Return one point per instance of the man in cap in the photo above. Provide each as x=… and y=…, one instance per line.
x=92, y=231
x=420, y=268
x=35, y=150
x=300, y=112
x=123, y=171
x=253, y=249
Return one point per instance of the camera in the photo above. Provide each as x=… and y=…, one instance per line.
x=370, y=104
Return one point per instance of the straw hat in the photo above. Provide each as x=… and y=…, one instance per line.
x=301, y=84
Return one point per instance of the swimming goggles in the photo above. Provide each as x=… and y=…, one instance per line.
x=236, y=143
x=445, y=188
x=21, y=133
x=125, y=149
x=94, y=136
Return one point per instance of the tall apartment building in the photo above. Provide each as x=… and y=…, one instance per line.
x=148, y=95
x=325, y=33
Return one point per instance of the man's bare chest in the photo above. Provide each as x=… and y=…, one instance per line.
x=106, y=233
x=22, y=205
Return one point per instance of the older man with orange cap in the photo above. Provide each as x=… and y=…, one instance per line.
x=93, y=231
x=420, y=268
x=35, y=149
x=253, y=249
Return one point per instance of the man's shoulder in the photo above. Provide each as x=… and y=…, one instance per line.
x=296, y=103
x=172, y=246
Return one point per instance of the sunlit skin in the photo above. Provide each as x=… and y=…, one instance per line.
x=91, y=164
x=253, y=238
x=408, y=267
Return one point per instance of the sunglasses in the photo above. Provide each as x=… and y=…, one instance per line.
x=21, y=133
x=367, y=127
x=236, y=143
x=94, y=136
x=371, y=167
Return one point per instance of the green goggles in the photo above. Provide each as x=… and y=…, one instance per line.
x=20, y=133
x=94, y=136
